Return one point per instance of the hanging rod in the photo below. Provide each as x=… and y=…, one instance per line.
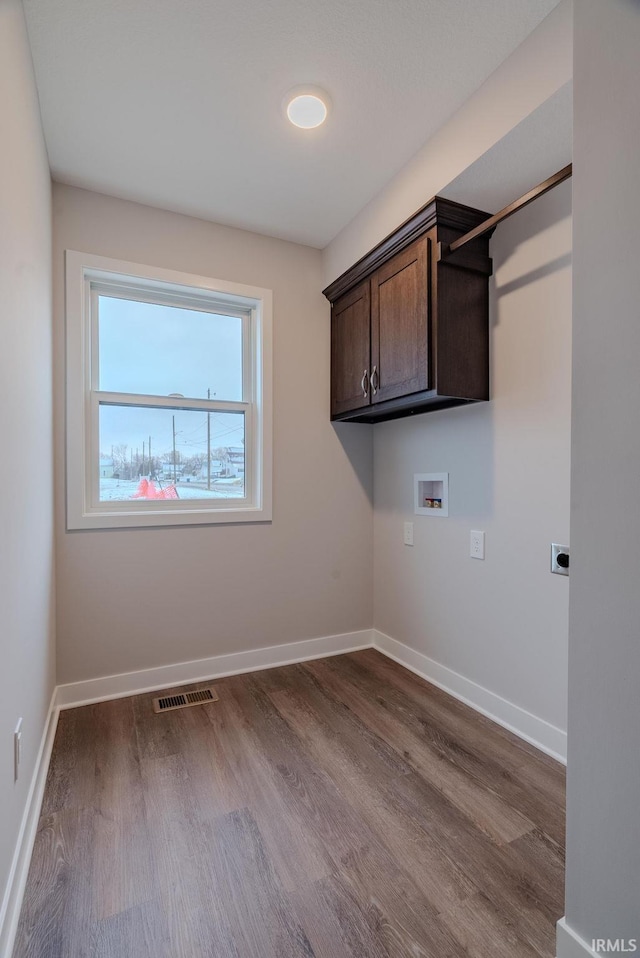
x=489, y=224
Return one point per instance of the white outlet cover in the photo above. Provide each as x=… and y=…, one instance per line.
x=476, y=544
x=556, y=549
x=408, y=533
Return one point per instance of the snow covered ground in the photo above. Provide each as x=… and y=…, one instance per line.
x=123, y=489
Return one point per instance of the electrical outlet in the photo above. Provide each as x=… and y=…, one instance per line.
x=17, y=749
x=476, y=544
x=408, y=533
x=559, y=559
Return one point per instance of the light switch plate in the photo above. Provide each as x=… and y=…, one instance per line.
x=408, y=533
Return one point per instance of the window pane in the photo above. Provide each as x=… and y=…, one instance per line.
x=159, y=350
x=208, y=461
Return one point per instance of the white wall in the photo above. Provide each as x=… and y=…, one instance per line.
x=501, y=622
x=137, y=599
x=603, y=802
x=26, y=513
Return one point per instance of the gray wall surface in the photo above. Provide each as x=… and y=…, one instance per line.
x=26, y=501
x=603, y=860
x=134, y=599
x=501, y=622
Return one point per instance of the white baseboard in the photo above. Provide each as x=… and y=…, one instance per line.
x=569, y=944
x=12, y=901
x=202, y=670
x=531, y=728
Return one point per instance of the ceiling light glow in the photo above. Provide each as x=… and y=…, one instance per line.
x=307, y=110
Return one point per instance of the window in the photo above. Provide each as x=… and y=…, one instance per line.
x=168, y=397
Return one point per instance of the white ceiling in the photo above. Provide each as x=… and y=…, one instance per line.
x=178, y=104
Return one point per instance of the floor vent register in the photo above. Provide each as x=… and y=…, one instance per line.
x=184, y=700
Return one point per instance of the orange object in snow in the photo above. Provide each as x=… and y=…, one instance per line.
x=141, y=491
x=147, y=490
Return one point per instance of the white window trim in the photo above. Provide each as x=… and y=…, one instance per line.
x=81, y=407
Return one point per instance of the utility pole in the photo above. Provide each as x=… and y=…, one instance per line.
x=142, y=473
x=208, y=444
x=150, y=465
x=174, y=449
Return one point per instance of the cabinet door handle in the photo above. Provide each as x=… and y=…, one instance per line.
x=374, y=380
x=364, y=384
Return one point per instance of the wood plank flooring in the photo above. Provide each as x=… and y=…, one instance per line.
x=342, y=808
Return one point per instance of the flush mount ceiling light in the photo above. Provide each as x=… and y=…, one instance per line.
x=306, y=107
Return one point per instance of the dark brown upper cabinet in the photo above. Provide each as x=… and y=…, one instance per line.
x=410, y=326
x=350, y=350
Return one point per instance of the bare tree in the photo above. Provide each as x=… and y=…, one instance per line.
x=120, y=459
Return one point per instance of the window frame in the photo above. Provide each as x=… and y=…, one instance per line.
x=88, y=276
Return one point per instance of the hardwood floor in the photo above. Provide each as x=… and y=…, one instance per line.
x=342, y=808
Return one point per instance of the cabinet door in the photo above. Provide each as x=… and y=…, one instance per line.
x=400, y=324
x=350, y=350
